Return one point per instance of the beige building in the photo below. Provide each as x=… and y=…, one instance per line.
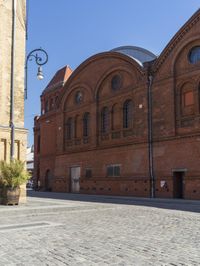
x=5, y=79
x=6, y=18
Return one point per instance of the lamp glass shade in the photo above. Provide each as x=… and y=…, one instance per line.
x=40, y=73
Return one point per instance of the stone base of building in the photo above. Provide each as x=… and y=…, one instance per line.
x=135, y=187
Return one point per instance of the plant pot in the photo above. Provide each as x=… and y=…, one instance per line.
x=10, y=196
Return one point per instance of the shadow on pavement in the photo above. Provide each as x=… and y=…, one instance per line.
x=172, y=204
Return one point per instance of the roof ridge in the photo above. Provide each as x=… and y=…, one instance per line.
x=59, y=78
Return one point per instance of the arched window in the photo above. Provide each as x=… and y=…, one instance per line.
x=116, y=82
x=199, y=96
x=105, y=120
x=194, y=55
x=46, y=106
x=86, y=124
x=38, y=144
x=187, y=99
x=51, y=104
x=115, y=116
x=69, y=128
x=127, y=114
x=56, y=101
x=75, y=126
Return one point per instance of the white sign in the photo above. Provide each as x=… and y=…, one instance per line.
x=162, y=183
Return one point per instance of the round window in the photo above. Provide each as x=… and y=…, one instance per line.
x=194, y=55
x=78, y=97
x=116, y=82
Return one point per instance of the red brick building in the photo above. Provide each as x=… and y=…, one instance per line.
x=125, y=122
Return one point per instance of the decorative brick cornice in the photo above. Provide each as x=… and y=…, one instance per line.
x=53, y=87
x=176, y=39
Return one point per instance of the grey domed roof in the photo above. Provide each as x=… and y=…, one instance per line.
x=139, y=54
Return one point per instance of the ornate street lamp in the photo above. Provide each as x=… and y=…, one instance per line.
x=41, y=58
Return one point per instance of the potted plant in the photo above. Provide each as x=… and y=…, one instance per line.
x=12, y=175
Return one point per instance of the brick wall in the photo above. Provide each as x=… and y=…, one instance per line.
x=176, y=124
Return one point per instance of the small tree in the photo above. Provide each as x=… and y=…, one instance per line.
x=13, y=174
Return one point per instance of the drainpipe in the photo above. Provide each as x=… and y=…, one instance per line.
x=12, y=125
x=150, y=137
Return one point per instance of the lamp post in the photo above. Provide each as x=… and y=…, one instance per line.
x=12, y=85
x=41, y=58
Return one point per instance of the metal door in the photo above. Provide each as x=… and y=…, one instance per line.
x=48, y=181
x=75, y=176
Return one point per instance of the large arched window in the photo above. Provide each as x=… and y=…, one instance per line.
x=199, y=96
x=46, y=106
x=127, y=114
x=51, y=107
x=105, y=120
x=69, y=128
x=56, y=101
x=38, y=144
x=187, y=99
x=115, y=117
x=75, y=126
x=86, y=124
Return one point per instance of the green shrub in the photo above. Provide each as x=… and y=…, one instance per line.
x=13, y=174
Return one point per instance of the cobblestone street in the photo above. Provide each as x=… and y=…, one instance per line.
x=99, y=230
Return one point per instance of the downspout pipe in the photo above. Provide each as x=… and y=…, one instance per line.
x=150, y=136
x=12, y=85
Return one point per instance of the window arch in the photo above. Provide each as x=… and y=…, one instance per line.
x=69, y=128
x=86, y=124
x=105, y=120
x=127, y=114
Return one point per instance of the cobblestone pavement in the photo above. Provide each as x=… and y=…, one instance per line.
x=89, y=230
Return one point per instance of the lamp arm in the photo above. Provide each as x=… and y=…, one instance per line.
x=39, y=60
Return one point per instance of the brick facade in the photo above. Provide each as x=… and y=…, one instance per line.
x=94, y=133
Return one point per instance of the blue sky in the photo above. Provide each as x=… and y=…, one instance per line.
x=72, y=31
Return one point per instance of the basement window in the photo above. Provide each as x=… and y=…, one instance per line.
x=113, y=170
x=88, y=172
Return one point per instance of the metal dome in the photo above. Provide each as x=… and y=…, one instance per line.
x=140, y=55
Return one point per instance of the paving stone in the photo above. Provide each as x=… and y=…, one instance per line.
x=104, y=231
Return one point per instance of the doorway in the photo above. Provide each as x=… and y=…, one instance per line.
x=47, y=181
x=178, y=191
x=75, y=177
